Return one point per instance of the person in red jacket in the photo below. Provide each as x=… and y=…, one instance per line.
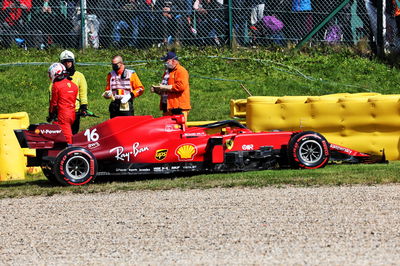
x=13, y=20
x=63, y=97
x=14, y=10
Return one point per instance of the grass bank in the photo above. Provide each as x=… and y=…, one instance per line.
x=331, y=175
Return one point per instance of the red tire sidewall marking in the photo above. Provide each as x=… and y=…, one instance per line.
x=296, y=146
x=91, y=166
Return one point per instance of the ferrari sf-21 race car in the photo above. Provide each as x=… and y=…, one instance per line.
x=134, y=145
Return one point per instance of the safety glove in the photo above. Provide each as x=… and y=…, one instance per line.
x=83, y=110
x=107, y=94
x=51, y=117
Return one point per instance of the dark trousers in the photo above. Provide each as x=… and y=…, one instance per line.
x=75, y=125
x=114, y=107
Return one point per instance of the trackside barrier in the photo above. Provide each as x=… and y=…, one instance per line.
x=12, y=157
x=198, y=123
x=238, y=108
x=366, y=122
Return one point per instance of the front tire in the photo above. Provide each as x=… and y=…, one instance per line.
x=308, y=150
x=75, y=166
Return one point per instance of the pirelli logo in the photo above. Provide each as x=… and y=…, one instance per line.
x=161, y=154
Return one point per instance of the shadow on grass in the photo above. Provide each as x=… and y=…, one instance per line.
x=128, y=179
x=101, y=180
x=39, y=183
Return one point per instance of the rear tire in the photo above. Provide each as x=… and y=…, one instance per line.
x=308, y=150
x=75, y=166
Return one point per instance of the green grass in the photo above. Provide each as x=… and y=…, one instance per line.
x=25, y=87
x=331, y=175
x=216, y=75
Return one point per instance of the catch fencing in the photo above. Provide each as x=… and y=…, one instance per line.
x=146, y=23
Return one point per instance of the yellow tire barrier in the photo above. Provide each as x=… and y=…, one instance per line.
x=12, y=157
x=367, y=122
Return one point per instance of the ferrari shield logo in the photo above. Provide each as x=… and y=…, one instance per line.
x=161, y=154
x=229, y=144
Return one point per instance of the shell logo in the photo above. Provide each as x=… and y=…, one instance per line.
x=186, y=152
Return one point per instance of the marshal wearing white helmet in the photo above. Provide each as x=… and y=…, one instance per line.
x=67, y=58
x=56, y=72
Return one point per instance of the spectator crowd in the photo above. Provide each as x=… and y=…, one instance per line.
x=145, y=23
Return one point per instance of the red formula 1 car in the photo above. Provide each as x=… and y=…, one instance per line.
x=145, y=145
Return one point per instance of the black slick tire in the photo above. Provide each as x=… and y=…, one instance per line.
x=75, y=166
x=308, y=150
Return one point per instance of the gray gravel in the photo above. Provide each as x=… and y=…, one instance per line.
x=330, y=225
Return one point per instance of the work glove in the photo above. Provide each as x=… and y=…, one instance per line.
x=125, y=98
x=107, y=94
x=83, y=110
x=51, y=117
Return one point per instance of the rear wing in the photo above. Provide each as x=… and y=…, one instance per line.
x=41, y=136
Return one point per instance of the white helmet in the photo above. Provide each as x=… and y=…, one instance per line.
x=67, y=56
x=57, y=70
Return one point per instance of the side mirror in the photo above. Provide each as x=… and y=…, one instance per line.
x=180, y=119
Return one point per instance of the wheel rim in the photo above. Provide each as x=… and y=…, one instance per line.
x=77, y=167
x=310, y=151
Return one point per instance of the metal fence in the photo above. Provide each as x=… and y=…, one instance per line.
x=146, y=23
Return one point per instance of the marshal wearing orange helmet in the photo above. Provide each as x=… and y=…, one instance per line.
x=63, y=97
